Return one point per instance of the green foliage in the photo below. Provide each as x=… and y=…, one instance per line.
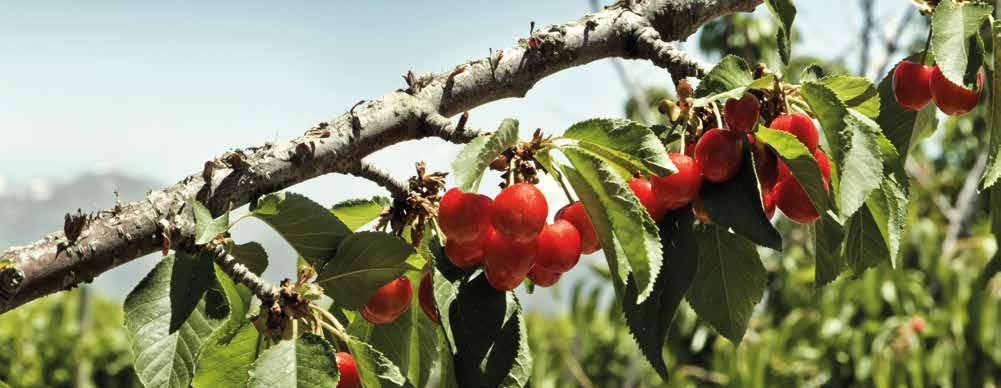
x=785, y=12
x=313, y=231
x=374, y=368
x=251, y=254
x=730, y=78
x=356, y=213
x=474, y=158
x=736, y=204
x=307, y=361
x=364, y=262
x=623, y=142
x=955, y=39
x=993, y=171
x=206, y=227
x=411, y=342
x=800, y=162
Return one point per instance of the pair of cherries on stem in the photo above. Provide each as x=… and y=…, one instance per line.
x=916, y=84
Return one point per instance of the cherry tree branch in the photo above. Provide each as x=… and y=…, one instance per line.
x=89, y=246
x=365, y=169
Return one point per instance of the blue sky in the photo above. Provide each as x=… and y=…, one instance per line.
x=157, y=88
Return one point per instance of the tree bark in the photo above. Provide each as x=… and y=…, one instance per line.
x=163, y=219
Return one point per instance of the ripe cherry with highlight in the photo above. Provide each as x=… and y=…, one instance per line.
x=507, y=261
x=464, y=255
x=349, y=371
x=464, y=217
x=800, y=126
x=542, y=277
x=557, y=248
x=576, y=215
x=519, y=212
x=952, y=99
x=910, y=84
x=791, y=198
x=644, y=192
x=678, y=189
x=389, y=301
x=720, y=154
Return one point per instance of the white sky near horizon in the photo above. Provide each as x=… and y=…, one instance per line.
x=154, y=89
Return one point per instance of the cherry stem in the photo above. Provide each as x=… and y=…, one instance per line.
x=924, y=54
x=510, y=170
x=719, y=120
x=563, y=185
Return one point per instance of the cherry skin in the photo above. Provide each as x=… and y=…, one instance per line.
x=425, y=296
x=507, y=261
x=557, y=248
x=644, y=192
x=766, y=163
x=389, y=301
x=825, y=166
x=742, y=115
x=519, y=212
x=720, y=154
x=678, y=189
x=464, y=255
x=543, y=278
x=910, y=84
x=768, y=203
x=464, y=217
x=790, y=197
x=349, y=371
x=952, y=99
x=800, y=126
x=576, y=215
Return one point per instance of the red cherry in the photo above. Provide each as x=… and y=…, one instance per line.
x=425, y=295
x=741, y=115
x=519, y=212
x=765, y=163
x=349, y=371
x=824, y=164
x=557, y=248
x=389, y=301
x=952, y=99
x=644, y=192
x=794, y=202
x=507, y=261
x=543, y=278
x=910, y=84
x=700, y=211
x=720, y=154
x=575, y=214
x=678, y=189
x=768, y=203
x=464, y=255
x=464, y=217
x=918, y=324
x=800, y=126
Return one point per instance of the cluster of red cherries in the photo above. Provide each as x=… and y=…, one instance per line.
x=510, y=237
x=916, y=84
x=717, y=157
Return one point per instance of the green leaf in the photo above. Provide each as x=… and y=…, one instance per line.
x=955, y=28
x=800, y=162
x=307, y=226
x=626, y=143
x=307, y=361
x=785, y=12
x=251, y=254
x=736, y=204
x=831, y=113
x=227, y=356
x=356, y=213
x=993, y=171
x=903, y=127
x=165, y=354
x=206, y=227
x=730, y=78
x=828, y=260
x=364, y=262
x=862, y=168
x=855, y=92
x=374, y=369
x=474, y=158
x=631, y=224
x=864, y=246
x=591, y=198
x=729, y=281
x=488, y=329
x=888, y=206
x=410, y=342
x=650, y=321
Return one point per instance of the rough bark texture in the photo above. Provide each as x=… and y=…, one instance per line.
x=115, y=236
